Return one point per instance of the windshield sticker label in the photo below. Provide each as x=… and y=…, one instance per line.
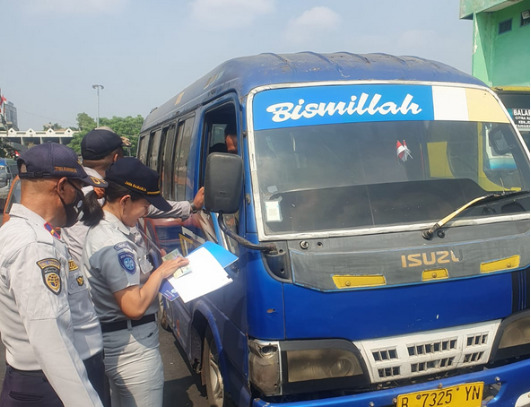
x=272, y=210
x=341, y=104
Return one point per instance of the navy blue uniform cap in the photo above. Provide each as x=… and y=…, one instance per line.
x=99, y=143
x=54, y=160
x=135, y=176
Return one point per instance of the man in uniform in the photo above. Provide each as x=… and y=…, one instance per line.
x=43, y=366
x=100, y=148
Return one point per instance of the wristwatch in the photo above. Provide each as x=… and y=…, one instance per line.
x=193, y=209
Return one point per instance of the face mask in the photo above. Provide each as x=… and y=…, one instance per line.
x=73, y=209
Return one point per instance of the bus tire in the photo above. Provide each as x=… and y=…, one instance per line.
x=211, y=373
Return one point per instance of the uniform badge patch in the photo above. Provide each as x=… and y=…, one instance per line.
x=127, y=261
x=80, y=281
x=51, y=274
x=72, y=266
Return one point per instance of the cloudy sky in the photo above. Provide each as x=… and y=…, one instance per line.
x=144, y=52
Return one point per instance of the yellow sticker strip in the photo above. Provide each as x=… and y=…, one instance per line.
x=508, y=263
x=342, y=281
x=466, y=104
x=434, y=274
x=483, y=107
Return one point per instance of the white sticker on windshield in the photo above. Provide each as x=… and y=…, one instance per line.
x=272, y=209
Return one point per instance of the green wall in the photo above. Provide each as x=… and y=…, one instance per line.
x=501, y=59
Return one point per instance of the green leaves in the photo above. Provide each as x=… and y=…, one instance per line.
x=123, y=126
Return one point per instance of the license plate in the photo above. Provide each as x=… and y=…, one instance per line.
x=463, y=395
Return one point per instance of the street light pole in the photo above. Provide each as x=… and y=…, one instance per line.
x=98, y=87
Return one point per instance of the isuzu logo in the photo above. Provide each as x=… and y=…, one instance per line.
x=429, y=258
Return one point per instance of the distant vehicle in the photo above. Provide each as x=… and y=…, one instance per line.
x=8, y=171
x=516, y=101
x=379, y=207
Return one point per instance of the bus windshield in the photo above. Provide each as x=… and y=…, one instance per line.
x=385, y=173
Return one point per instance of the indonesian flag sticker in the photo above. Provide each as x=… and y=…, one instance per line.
x=402, y=152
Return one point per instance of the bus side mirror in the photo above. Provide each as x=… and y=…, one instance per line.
x=223, y=182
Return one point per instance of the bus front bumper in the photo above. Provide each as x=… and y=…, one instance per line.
x=512, y=381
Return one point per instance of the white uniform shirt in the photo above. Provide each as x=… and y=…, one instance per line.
x=35, y=319
x=88, y=339
x=114, y=258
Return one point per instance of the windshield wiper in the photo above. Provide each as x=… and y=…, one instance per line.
x=428, y=234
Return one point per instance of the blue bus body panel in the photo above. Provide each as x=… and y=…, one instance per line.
x=358, y=315
x=246, y=73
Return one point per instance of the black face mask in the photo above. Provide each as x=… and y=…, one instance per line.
x=73, y=209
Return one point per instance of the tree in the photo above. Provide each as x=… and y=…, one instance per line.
x=85, y=122
x=123, y=126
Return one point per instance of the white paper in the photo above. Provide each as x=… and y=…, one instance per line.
x=207, y=275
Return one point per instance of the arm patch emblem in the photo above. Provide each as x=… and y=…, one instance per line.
x=72, y=265
x=127, y=261
x=51, y=274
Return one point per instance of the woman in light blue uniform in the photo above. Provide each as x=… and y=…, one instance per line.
x=123, y=284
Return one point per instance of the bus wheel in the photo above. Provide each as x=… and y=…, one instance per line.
x=211, y=373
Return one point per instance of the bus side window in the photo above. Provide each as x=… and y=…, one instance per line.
x=182, y=151
x=154, y=146
x=166, y=166
x=143, y=147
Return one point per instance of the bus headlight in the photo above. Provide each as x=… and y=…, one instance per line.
x=513, y=337
x=316, y=364
x=288, y=367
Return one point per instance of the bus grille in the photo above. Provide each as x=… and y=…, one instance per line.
x=424, y=353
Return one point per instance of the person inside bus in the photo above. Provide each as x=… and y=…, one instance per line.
x=231, y=139
x=231, y=142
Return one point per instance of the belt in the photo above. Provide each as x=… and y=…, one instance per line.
x=126, y=324
x=38, y=373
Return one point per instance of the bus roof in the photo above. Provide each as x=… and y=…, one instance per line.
x=246, y=73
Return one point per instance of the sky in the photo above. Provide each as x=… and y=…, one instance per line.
x=145, y=52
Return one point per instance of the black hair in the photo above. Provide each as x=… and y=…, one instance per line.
x=92, y=210
x=230, y=129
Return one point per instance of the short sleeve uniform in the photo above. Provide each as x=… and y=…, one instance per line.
x=114, y=258
x=87, y=331
x=35, y=318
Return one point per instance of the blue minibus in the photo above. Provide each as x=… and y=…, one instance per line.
x=379, y=209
